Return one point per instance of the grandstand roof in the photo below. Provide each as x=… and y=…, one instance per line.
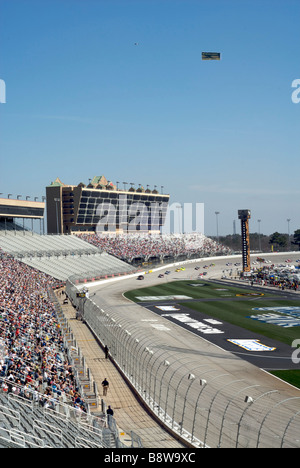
x=10, y=208
x=101, y=182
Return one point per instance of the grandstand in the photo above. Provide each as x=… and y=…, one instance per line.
x=34, y=357
x=137, y=248
x=24, y=424
x=44, y=399
x=60, y=256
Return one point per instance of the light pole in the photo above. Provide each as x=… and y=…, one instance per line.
x=43, y=200
x=179, y=207
x=217, y=214
x=259, y=241
x=288, y=221
x=57, y=200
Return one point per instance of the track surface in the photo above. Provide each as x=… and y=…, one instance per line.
x=280, y=358
x=201, y=354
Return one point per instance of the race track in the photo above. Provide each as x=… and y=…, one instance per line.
x=200, y=356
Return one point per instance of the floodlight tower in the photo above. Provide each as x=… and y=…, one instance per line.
x=244, y=216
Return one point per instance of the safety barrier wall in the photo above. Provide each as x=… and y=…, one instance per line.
x=200, y=404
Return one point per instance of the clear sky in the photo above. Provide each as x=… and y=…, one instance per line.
x=118, y=88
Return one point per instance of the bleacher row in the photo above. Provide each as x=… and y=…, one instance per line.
x=34, y=244
x=25, y=424
x=63, y=267
x=62, y=256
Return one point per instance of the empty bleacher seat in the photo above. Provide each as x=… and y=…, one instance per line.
x=62, y=256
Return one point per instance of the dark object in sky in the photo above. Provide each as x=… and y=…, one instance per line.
x=211, y=56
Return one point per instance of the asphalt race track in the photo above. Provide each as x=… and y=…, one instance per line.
x=208, y=356
x=279, y=358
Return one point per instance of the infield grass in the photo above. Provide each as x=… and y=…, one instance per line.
x=235, y=308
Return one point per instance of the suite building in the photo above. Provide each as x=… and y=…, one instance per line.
x=103, y=207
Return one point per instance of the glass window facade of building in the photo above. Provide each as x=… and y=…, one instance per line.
x=80, y=208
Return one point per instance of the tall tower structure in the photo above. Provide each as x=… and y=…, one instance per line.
x=244, y=216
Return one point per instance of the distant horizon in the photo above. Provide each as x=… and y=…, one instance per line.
x=212, y=235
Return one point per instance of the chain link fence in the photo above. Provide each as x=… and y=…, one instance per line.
x=202, y=405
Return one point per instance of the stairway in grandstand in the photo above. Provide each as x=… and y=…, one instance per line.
x=60, y=256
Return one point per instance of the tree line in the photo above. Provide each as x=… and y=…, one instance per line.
x=261, y=242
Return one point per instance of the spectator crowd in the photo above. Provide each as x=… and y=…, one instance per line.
x=282, y=281
x=33, y=362
x=145, y=246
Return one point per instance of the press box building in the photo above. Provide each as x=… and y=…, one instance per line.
x=101, y=206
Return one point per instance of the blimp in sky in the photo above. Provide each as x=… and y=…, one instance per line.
x=211, y=56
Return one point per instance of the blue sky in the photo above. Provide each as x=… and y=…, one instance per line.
x=82, y=99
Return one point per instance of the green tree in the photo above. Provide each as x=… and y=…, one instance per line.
x=296, y=240
x=280, y=240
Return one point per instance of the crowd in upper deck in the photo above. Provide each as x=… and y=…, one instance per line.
x=130, y=246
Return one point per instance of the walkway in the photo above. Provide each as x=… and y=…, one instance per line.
x=128, y=412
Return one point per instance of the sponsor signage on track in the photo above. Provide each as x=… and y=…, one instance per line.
x=251, y=345
x=204, y=328
x=197, y=285
x=249, y=294
x=161, y=298
x=285, y=317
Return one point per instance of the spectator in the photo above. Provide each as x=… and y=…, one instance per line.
x=144, y=246
x=105, y=385
x=30, y=338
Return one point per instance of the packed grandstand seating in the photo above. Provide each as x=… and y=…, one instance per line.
x=31, y=336
x=35, y=374
x=145, y=247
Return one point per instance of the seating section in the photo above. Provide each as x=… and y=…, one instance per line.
x=62, y=267
x=62, y=256
x=46, y=391
x=24, y=424
x=144, y=247
x=35, y=245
